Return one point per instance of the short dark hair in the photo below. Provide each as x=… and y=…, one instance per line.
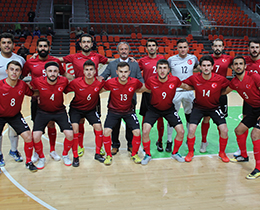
x=43, y=40
x=51, y=63
x=239, y=57
x=207, y=58
x=15, y=63
x=89, y=63
x=85, y=35
x=122, y=64
x=151, y=40
x=162, y=61
x=218, y=39
x=182, y=41
x=6, y=36
x=257, y=41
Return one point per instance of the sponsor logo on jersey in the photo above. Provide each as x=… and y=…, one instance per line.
x=115, y=88
x=1, y=66
x=171, y=86
x=44, y=88
x=35, y=65
x=20, y=92
x=248, y=86
x=155, y=87
x=130, y=89
x=199, y=84
x=96, y=89
x=146, y=63
x=79, y=58
x=189, y=62
x=4, y=94
x=60, y=89
x=81, y=89
x=214, y=85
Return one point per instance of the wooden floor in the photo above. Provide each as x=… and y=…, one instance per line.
x=205, y=183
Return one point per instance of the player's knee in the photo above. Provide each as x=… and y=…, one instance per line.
x=255, y=134
x=27, y=136
x=224, y=131
x=180, y=133
x=107, y=132
x=238, y=131
x=136, y=132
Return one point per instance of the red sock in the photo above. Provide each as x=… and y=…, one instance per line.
x=107, y=145
x=66, y=146
x=28, y=149
x=136, y=144
x=257, y=153
x=147, y=147
x=191, y=142
x=241, y=141
x=177, y=145
x=52, y=138
x=39, y=149
x=160, y=128
x=218, y=131
x=222, y=144
x=81, y=134
x=75, y=145
x=204, y=131
x=98, y=140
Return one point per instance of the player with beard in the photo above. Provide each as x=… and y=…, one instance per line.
x=37, y=69
x=221, y=64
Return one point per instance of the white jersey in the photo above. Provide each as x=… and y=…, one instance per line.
x=182, y=67
x=4, y=61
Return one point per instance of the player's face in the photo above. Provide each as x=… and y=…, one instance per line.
x=86, y=44
x=239, y=66
x=254, y=49
x=123, y=73
x=183, y=49
x=6, y=46
x=89, y=72
x=218, y=47
x=206, y=67
x=123, y=51
x=43, y=49
x=151, y=48
x=162, y=70
x=13, y=72
x=52, y=73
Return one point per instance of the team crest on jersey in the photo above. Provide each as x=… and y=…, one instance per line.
x=189, y=62
x=214, y=85
x=92, y=58
x=248, y=86
x=130, y=89
x=224, y=60
x=171, y=86
x=20, y=92
x=60, y=89
x=96, y=89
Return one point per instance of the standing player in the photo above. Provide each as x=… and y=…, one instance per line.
x=120, y=106
x=83, y=105
x=12, y=91
x=6, y=55
x=182, y=66
x=208, y=87
x=247, y=84
x=51, y=108
x=163, y=88
x=148, y=66
x=221, y=64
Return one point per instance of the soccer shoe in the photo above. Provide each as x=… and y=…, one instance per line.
x=41, y=163
x=189, y=157
x=254, y=174
x=31, y=167
x=108, y=161
x=81, y=151
x=2, y=162
x=178, y=157
x=16, y=156
x=136, y=159
x=35, y=157
x=75, y=162
x=102, y=151
x=66, y=160
x=168, y=146
x=114, y=151
x=55, y=156
x=223, y=157
x=146, y=159
x=159, y=146
x=237, y=153
x=99, y=158
x=203, y=147
x=239, y=158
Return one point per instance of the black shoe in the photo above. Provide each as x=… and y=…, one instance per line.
x=114, y=151
x=168, y=147
x=159, y=146
x=31, y=167
x=239, y=158
x=99, y=158
x=75, y=162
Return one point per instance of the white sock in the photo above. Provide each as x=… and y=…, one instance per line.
x=13, y=138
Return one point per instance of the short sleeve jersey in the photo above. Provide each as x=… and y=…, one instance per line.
x=251, y=65
x=148, y=66
x=120, y=99
x=36, y=67
x=162, y=93
x=51, y=96
x=12, y=97
x=4, y=61
x=79, y=59
x=86, y=96
x=207, y=92
x=248, y=88
x=221, y=64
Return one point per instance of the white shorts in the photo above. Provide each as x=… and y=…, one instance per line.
x=186, y=98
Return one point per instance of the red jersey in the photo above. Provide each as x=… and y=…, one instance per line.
x=248, y=88
x=148, y=66
x=221, y=64
x=162, y=92
x=79, y=59
x=207, y=92
x=51, y=96
x=86, y=96
x=120, y=99
x=12, y=97
x=36, y=67
x=251, y=65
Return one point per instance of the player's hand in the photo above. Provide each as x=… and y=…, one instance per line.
x=100, y=78
x=132, y=59
x=34, y=56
